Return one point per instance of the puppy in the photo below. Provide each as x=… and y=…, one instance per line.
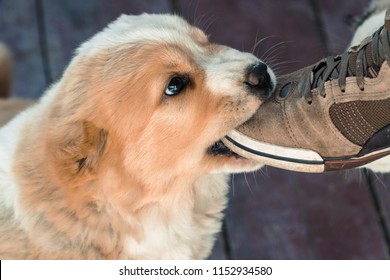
x=121, y=158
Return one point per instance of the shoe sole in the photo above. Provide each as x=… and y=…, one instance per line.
x=301, y=160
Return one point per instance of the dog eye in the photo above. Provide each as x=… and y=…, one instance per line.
x=176, y=85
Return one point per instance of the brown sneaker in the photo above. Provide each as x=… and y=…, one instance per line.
x=330, y=116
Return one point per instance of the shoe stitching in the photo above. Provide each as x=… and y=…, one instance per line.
x=378, y=79
x=288, y=126
x=364, y=123
x=347, y=116
x=340, y=116
x=336, y=132
x=370, y=82
x=358, y=123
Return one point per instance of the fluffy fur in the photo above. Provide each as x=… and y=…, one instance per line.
x=105, y=166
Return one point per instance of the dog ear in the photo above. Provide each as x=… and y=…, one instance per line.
x=76, y=151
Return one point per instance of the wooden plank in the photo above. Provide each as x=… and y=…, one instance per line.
x=381, y=193
x=277, y=214
x=290, y=40
x=218, y=250
x=69, y=23
x=18, y=30
x=335, y=15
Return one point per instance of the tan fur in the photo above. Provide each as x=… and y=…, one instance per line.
x=110, y=168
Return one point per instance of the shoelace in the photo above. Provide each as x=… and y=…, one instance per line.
x=361, y=61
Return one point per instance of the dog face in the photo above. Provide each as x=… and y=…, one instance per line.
x=153, y=97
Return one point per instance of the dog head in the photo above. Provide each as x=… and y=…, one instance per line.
x=151, y=96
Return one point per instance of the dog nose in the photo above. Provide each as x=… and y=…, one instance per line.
x=259, y=81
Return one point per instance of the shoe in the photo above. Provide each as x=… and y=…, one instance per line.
x=330, y=116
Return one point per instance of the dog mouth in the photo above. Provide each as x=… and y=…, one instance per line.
x=219, y=149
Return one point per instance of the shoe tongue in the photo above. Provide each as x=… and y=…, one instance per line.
x=371, y=69
x=352, y=64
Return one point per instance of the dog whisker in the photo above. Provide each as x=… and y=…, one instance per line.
x=205, y=21
x=198, y=21
x=271, y=49
x=257, y=43
x=254, y=44
x=279, y=65
x=274, y=58
x=193, y=10
x=264, y=171
x=380, y=180
x=209, y=24
x=233, y=185
x=274, y=52
x=247, y=183
x=287, y=62
x=255, y=179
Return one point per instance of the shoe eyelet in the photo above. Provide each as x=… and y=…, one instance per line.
x=284, y=91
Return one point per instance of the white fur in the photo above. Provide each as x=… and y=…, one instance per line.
x=185, y=233
x=367, y=28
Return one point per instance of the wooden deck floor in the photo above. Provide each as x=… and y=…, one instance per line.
x=273, y=214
